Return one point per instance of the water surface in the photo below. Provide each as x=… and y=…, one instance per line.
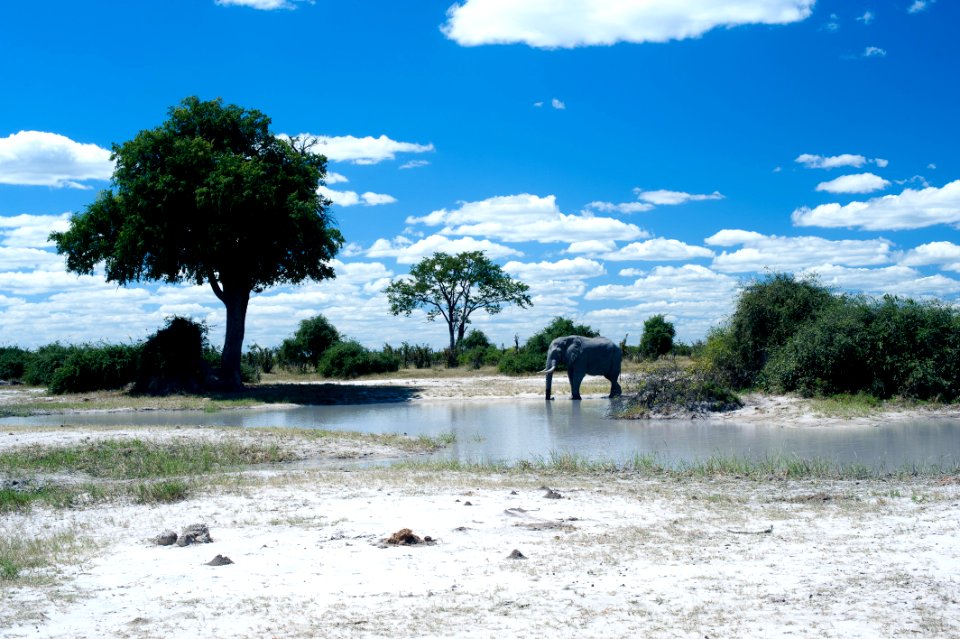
x=526, y=429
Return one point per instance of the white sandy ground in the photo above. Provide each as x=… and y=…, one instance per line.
x=617, y=556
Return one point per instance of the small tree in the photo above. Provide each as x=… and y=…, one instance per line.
x=657, y=338
x=306, y=347
x=453, y=287
x=211, y=196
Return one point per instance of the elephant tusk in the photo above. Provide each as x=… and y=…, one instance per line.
x=548, y=370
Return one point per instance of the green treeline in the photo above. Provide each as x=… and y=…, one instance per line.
x=794, y=335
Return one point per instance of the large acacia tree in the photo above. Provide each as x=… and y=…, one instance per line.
x=453, y=287
x=209, y=196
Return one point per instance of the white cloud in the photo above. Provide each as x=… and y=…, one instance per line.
x=557, y=104
x=874, y=52
x=812, y=161
x=919, y=5
x=934, y=253
x=366, y=150
x=414, y=164
x=881, y=162
x=895, y=280
x=662, y=197
x=352, y=198
x=656, y=250
x=538, y=104
x=866, y=18
x=576, y=269
x=31, y=231
x=911, y=209
x=594, y=247
x=335, y=178
x=36, y=158
x=262, y=5
x=408, y=252
x=526, y=218
x=858, y=183
x=623, y=207
x=20, y=258
x=687, y=283
x=794, y=254
x=543, y=24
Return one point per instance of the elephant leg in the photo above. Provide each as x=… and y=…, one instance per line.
x=574, y=384
x=615, y=390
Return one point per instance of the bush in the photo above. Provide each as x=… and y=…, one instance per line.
x=518, y=363
x=260, y=359
x=481, y=356
x=176, y=358
x=90, y=368
x=304, y=350
x=13, y=363
x=657, y=338
x=768, y=313
x=46, y=360
x=475, y=339
x=670, y=390
x=350, y=359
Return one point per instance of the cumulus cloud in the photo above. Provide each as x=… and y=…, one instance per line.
x=577, y=268
x=895, y=280
x=414, y=164
x=911, y=209
x=526, y=218
x=36, y=158
x=604, y=22
x=623, y=207
x=658, y=249
x=874, y=52
x=365, y=150
x=866, y=18
x=793, y=254
x=946, y=253
x=406, y=251
x=919, y=5
x=335, y=178
x=662, y=197
x=31, y=231
x=689, y=283
x=812, y=161
x=352, y=198
x=557, y=104
x=857, y=183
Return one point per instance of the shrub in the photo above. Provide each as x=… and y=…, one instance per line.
x=304, y=349
x=532, y=357
x=176, y=358
x=260, y=359
x=481, y=356
x=657, y=338
x=13, y=362
x=350, y=359
x=475, y=339
x=46, y=360
x=90, y=368
x=517, y=363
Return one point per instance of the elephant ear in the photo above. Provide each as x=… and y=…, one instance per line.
x=573, y=352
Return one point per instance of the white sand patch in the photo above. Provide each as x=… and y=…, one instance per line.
x=615, y=557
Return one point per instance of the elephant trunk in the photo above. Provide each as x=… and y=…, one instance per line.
x=549, y=372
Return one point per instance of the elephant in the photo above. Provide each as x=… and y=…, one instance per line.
x=584, y=356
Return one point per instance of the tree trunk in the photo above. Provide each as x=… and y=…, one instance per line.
x=452, y=353
x=236, y=303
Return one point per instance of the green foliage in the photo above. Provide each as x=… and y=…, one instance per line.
x=175, y=358
x=350, y=359
x=657, y=338
x=768, y=313
x=475, y=339
x=454, y=287
x=304, y=349
x=888, y=347
x=209, y=196
x=41, y=367
x=90, y=368
x=162, y=492
x=13, y=362
x=668, y=390
x=260, y=359
x=533, y=355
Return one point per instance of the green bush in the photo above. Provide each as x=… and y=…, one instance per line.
x=657, y=338
x=481, y=356
x=350, y=359
x=176, y=358
x=306, y=347
x=533, y=355
x=90, y=368
x=44, y=363
x=260, y=359
x=518, y=363
x=13, y=362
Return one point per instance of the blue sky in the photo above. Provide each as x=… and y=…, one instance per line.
x=623, y=158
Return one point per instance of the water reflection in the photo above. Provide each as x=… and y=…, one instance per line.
x=517, y=429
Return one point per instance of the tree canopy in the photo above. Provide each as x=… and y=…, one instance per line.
x=657, y=338
x=454, y=287
x=209, y=196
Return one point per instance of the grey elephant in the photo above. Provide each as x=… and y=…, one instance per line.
x=584, y=356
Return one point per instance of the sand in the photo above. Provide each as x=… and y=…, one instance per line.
x=616, y=555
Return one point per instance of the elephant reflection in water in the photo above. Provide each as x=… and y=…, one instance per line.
x=584, y=356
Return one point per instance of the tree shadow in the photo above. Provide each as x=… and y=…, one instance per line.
x=321, y=394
